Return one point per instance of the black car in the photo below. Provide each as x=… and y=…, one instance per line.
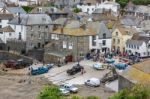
x=74, y=70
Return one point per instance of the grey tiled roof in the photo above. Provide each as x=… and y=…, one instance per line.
x=32, y=19
x=100, y=28
x=129, y=21
x=134, y=42
x=15, y=10
x=103, y=29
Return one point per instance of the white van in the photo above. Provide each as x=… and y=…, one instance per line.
x=93, y=82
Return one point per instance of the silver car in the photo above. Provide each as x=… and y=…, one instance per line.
x=64, y=92
x=70, y=88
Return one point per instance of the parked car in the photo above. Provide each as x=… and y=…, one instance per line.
x=74, y=70
x=98, y=66
x=21, y=63
x=41, y=70
x=70, y=88
x=121, y=66
x=93, y=82
x=109, y=61
x=64, y=92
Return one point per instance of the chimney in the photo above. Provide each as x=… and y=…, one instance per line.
x=19, y=19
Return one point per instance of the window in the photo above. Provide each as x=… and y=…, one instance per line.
x=104, y=36
x=118, y=41
x=0, y=20
x=64, y=44
x=0, y=26
x=39, y=27
x=114, y=40
x=20, y=36
x=116, y=33
x=93, y=40
x=104, y=42
x=46, y=26
x=134, y=46
x=31, y=35
x=71, y=45
x=137, y=47
x=39, y=35
x=9, y=34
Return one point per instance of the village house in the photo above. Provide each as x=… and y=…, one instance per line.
x=139, y=45
x=69, y=40
x=139, y=11
x=53, y=12
x=4, y=19
x=119, y=37
x=64, y=3
x=23, y=2
x=101, y=41
x=29, y=33
x=89, y=6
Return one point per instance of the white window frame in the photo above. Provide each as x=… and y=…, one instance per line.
x=64, y=44
x=70, y=45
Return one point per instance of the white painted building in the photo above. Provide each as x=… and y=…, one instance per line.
x=102, y=41
x=4, y=19
x=106, y=5
x=24, y=2
x=139, y=47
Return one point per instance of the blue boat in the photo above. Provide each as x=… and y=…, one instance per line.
x=121, y=66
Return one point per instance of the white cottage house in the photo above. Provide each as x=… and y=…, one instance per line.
x=102, y=41
x=139, y=46
x=104, y=4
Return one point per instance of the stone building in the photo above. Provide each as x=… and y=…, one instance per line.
x=32, y=29
x=69, y=41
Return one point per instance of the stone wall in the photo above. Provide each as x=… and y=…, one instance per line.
x=56, y=46
x=4, y=55
x=124, y=83
x=16, y=45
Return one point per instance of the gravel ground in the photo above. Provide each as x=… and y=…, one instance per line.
x=20, y=87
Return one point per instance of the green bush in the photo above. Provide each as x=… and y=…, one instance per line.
x=50, y=92
x=77, y=10
x=92, y=97
x=137, y=92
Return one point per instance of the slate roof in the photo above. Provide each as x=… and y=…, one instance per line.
x=100, y=28
x=6, y=16
x=15, y=10
x=134, y=42
x=129, y=21
x=146, y=39
x=32, y=19
x=7, y=29
x=103, y=29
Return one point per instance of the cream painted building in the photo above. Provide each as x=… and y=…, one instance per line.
x=119, y=38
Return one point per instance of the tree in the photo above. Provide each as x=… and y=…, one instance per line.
x=141, y=2
x=92, y=97
x=27, y=8
x=122, y=3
